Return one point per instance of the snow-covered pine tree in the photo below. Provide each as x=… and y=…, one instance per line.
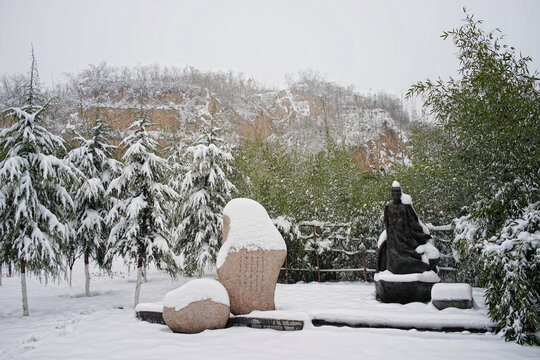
x=178, y=168
x=94, y=158
x=176, y=150
x=205, y=191
x=33, y=187
x=138, y=217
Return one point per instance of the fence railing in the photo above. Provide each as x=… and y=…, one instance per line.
x=316, y=238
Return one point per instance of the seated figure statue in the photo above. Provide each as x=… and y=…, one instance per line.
x=404, y=235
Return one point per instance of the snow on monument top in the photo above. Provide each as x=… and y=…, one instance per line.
x=405, y=198
x=250, y=228
x=196, y=290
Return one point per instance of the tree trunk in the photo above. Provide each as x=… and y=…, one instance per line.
x=70, y=274
x=86, y=274
x=23, y=290
x=0, y=274
x=139, y=281
x=145, y=270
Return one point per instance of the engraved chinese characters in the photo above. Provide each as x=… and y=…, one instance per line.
x=251, y=256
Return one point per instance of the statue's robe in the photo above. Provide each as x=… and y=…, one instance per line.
x=403, y=235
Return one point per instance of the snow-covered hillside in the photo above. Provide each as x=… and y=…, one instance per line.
x=304, y=116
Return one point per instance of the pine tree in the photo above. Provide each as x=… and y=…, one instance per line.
x=139, y=215
x=33, y=187
x=205, y=191
x=176, y=152
x=93, y=157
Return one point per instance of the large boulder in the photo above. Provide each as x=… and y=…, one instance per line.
x=199, y=305
x=251, y=256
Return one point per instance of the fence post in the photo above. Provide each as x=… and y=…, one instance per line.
x=286, y=275
x=316, y=255
x=365, y=270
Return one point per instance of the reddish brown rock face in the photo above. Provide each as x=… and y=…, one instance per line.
x=250, y=279
x=197, y=317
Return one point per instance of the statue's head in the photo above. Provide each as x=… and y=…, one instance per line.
x=396, y=192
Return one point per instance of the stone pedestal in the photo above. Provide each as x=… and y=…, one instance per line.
x=452, y=295
x=406, y=288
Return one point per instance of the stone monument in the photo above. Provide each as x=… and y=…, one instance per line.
x=407, y=259
x=251, y=256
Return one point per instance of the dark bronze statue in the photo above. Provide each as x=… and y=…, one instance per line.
x=403, y=235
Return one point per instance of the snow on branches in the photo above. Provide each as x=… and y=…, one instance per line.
x=34, y=198
x=33, y=190
x=93, y=157
x=138, y=217
x=205, y=191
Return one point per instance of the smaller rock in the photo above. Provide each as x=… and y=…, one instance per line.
x=199, y=305
x=452, y=295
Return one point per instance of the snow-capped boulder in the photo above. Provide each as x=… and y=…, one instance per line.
x=199, y=305
x=251, y=256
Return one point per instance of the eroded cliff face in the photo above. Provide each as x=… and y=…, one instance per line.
x=295, y=117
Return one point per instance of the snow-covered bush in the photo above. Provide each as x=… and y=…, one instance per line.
x=511, y=263
x=507, y=265
x=205, y=191
x=296, y=255
x=468, y=235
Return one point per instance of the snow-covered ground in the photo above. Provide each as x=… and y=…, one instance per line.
x=64, y=324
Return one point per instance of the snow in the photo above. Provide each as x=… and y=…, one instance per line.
x=64, y=324
x=382, y=239
x=426, y=276
x=451, y=292
x=406, y=199
x=151, y=307
x=282, y=223
x=250, y=228
x=428, y=251
x=196, y=290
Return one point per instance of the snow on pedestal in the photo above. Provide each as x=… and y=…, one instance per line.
x=251, y=256
x=405, y=288
x=197, y=306
x=426, y=276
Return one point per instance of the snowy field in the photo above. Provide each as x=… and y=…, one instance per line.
x=64, y=324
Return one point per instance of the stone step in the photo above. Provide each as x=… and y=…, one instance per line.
x=472, y=329
x=294, y=325
x=253, y=322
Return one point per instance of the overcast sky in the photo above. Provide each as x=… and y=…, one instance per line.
x=373, y=45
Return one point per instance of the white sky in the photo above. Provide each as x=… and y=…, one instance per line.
x=373, y=45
